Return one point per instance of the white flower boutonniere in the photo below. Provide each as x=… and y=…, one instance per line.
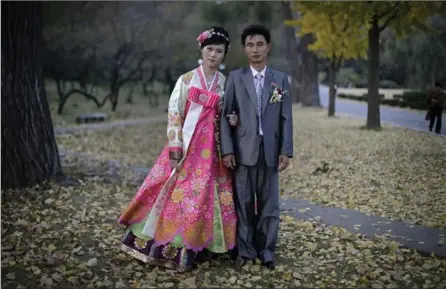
x=276, y=94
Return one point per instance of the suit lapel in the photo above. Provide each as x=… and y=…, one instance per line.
x=266, y=88
x=248, y=81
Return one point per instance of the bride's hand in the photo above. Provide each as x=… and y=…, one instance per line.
x=233, y=119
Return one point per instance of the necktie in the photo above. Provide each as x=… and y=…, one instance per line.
x=259, y=91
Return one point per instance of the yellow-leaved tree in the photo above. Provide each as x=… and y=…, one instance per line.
x=375, y=16
x=402, y=17
x=337, y=36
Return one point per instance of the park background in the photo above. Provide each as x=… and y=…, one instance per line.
x=363, y=200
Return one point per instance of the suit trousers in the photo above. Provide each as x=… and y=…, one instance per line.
x=257, y=234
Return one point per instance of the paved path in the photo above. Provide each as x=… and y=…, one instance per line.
x=425, y=240
x=411, y=119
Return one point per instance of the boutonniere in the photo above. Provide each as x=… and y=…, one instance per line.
x=277, y=93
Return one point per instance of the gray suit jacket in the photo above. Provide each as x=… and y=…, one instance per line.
x=277, y=118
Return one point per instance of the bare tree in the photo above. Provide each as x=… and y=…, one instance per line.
x=119, y=56
x=70, y=60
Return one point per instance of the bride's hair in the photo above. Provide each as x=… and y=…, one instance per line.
x=214, y=36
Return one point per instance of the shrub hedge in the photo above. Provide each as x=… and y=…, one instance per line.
x=411, y=99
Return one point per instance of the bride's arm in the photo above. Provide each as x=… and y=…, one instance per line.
x=175, y=120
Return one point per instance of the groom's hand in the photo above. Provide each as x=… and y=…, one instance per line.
x=173, y=164
x=284, y=161
x=229, y=161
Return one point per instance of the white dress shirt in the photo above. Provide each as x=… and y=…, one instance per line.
x=255, y=72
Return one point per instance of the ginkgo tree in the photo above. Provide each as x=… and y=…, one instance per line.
x=400, y=16
x=337, y=36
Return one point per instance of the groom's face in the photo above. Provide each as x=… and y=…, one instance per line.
x=256, y=48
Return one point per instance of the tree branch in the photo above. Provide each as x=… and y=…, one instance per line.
x=388, y=20
x=132, y=76
x=391, y=13
x=87, y=96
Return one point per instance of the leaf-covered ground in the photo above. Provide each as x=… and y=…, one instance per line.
x=133, y=145
x=58, y=236
x=395, y=173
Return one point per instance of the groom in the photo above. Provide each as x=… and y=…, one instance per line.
x=259, y=147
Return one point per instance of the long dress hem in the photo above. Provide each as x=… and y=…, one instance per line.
x=174, y=258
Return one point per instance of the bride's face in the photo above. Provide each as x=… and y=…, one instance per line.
x=213, y=55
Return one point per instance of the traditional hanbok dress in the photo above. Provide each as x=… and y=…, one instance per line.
x=176, y=214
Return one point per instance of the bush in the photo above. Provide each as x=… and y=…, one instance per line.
x=391, y=102
x=347, y=77
x=351, y=96
x=415, y=96
x=343, y=95
x=413, y=101
x=402, y=103
x=359, y=97
x=361, y=83
x=386, y=83
x=397, y=96
x=381, y=96
x=416, y=99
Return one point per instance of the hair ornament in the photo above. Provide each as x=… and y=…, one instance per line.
x=208, y=34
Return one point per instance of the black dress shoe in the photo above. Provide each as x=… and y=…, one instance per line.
x=241, y=261
x=204, y=256
x=270, y=265
x=233, y=254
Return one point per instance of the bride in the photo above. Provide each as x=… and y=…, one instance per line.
x=185, y=205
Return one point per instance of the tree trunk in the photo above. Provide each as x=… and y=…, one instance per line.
x=169, y=79
x=61, y=106
x=29, y=151
x=114, y=99
x=129, y=99
x=61, y=88
x=332, y=73
x=309, y=85
x=292, y=52
x=373, y=101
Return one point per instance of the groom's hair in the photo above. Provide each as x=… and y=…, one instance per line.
x=256, y=29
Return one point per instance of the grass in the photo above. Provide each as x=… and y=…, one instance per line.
x=78, y=105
